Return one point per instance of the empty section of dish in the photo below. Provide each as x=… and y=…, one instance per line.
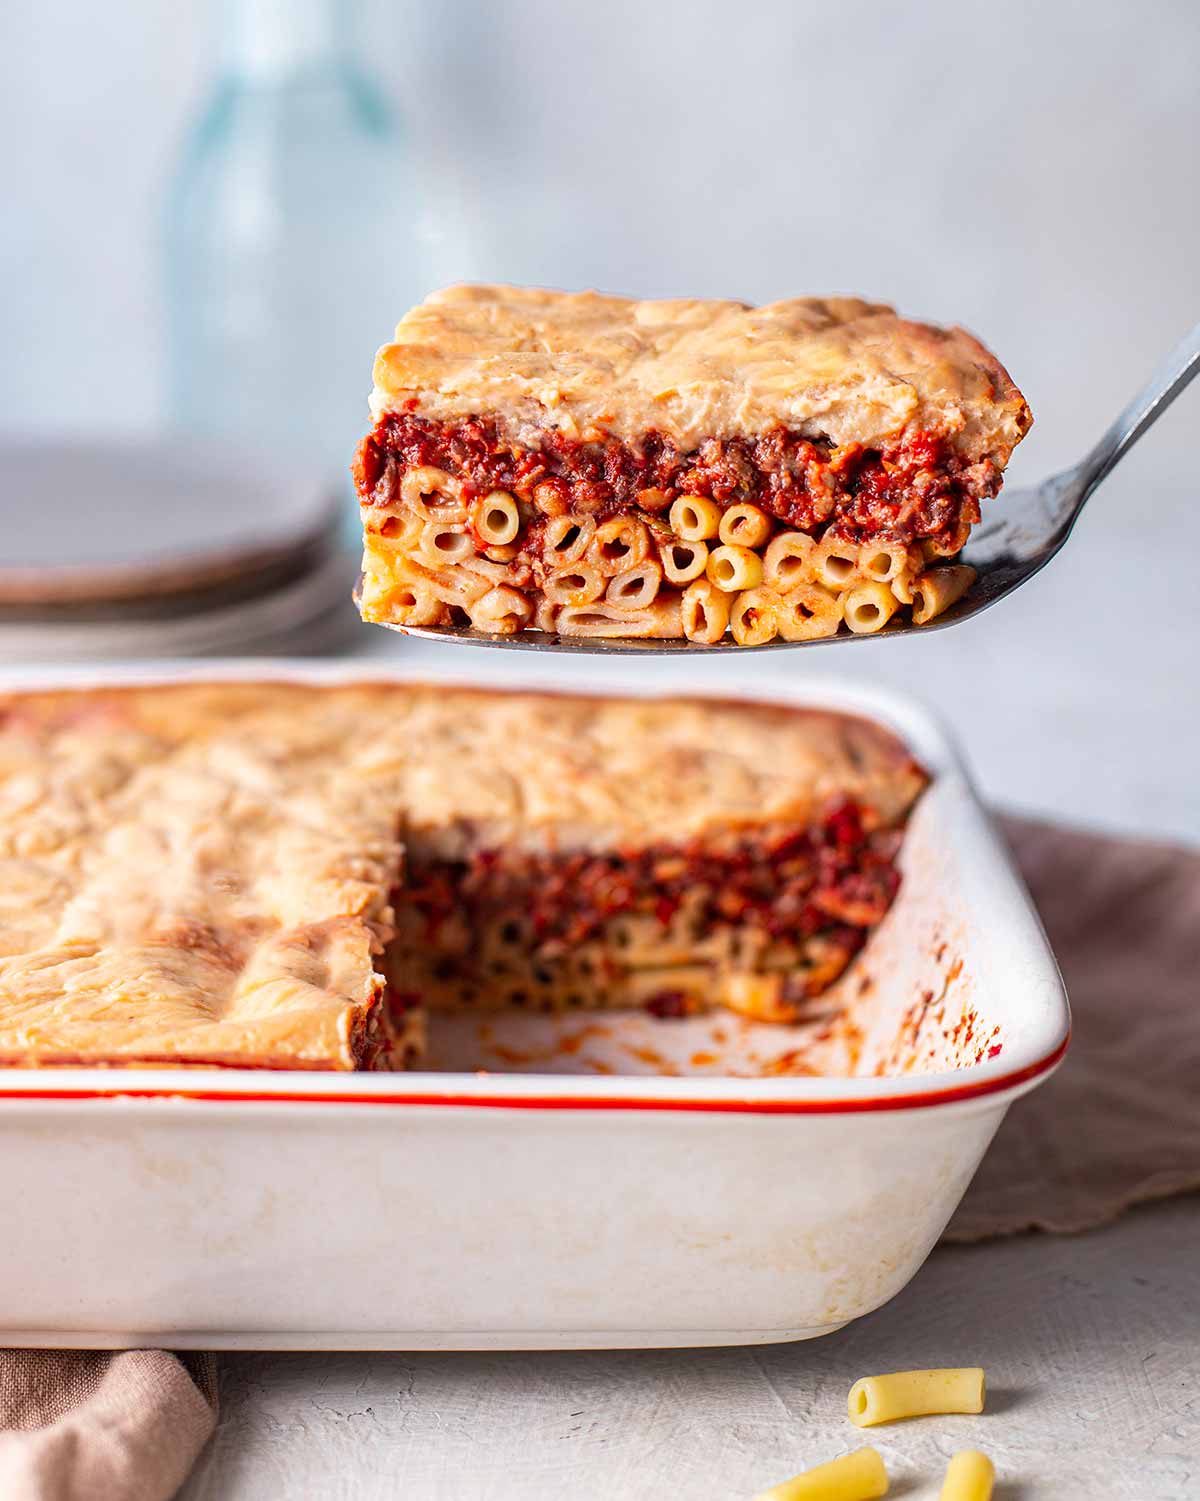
x=911, y=1002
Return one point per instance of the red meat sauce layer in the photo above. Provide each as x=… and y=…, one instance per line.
x=377, y=1046
x=837, y=877
x=917, y=490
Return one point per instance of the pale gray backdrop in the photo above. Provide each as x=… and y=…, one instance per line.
x=1026, y=169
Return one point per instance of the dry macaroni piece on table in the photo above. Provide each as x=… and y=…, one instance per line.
x=970, y=1476
x=860, y=1476
x=596, y=466
x=913, y=1394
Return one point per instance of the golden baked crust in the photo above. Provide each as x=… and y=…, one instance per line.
x=188, y=874
x=581, y=363
x=203, y=873
x=559, y=772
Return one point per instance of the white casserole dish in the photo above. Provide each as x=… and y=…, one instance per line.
x=235, y=1209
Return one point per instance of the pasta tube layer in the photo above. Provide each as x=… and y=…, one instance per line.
x=759, y=922
x=597, y=466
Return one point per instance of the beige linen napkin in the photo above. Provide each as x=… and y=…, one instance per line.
x=1119, y=1124
x=90, y=1425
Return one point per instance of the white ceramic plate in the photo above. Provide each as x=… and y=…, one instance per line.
x=174, y=513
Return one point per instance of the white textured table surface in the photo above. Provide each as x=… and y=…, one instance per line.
x=1091, y=1344
x=1068, y=702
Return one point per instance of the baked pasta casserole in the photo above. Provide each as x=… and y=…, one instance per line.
x=281, y=875
x=595, y=466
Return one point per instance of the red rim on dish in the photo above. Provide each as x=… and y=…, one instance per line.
x=915, y=1100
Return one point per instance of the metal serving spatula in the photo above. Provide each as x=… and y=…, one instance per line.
x=1026, y=530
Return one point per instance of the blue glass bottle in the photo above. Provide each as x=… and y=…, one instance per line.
x=293, y=240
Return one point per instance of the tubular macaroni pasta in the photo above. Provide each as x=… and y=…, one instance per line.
x=808, y=612
x=787, y=562
x=759, y=996
x=705, y=612
x=859, y=1476
x=868, y=607
x=911, y=1394
x=504, y=552
x=662, y=619
x=835, y=563
x=734, y=568
x=567, y=538
x=544, y=615
x=619, y=544
x=882, y=561
x=970, y=1476
x=433, y=494
x=496, y=518
x=578, y=585
x=683, y=561
x=502, y=611
x=411, y=602
x=754, y=619
x=939, y=588
x=744, y=526
x=453, y=586
x=394, y=530
x=444, y=542
x=636, y=588
x=695, y=519
x=484, y=568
